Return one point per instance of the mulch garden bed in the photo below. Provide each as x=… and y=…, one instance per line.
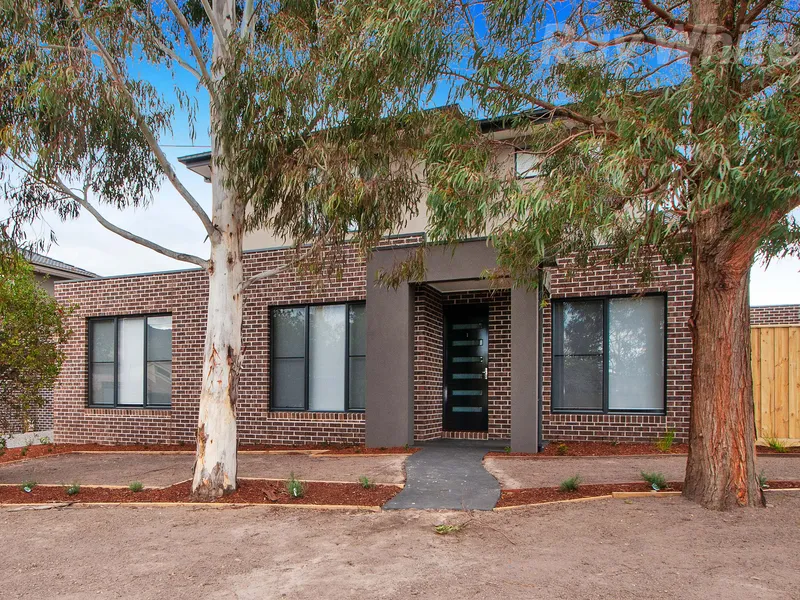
x=552, y=494
x=12, y=454
x=618, y=449
x=249, y=492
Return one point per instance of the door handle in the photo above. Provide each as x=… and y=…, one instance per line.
x=486, y=373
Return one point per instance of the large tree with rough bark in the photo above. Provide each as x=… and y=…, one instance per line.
x=655, y=127
x=304, y=105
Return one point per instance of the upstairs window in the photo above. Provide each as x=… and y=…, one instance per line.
x=319, y=357
x=609, y=355
x=527, y=164
x=131, y=361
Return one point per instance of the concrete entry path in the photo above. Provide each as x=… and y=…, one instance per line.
x=159, y=470
x=448, y=474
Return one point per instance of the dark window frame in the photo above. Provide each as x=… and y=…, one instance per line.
x=605, y=410
x=90, y=370
x=306, y=322
x=530, y=174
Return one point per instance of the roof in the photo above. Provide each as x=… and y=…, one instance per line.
x=51, y=264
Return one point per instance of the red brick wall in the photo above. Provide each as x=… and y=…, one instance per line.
x=40, y=417
x=184, y=295
x=428, y=362
x=605, y=279
x=788, y=314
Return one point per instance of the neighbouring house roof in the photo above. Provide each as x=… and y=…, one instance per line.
x=51, y=266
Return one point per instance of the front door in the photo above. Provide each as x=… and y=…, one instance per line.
x=466, y=368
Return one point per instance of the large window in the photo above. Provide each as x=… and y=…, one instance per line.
x=131, y=361
x=609, y=354
x=319, y=357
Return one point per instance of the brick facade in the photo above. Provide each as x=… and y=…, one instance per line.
x=40, y=418
x=184, y=295
x=429, y=306
x=605, y=279
x=788, y=314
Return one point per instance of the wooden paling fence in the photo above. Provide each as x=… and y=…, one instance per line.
x=775, y=357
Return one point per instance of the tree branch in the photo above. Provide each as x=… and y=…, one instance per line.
x=753, y=14
x=639, y=38
x=174, y=56
x=198, y=55
x=216, y=26
x=320, y=241
x=535, y=101
x=680, y=25
x=132, y=237
x=246, y=29
x=145, y=129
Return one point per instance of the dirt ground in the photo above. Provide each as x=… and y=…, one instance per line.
x=159, y=470
x=515, y=473
x=607, y=549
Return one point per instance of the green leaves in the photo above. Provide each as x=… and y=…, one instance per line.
x=641, y=145
x=31, y=332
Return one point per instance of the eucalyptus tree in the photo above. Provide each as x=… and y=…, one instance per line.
x=658, y=128
x=304, y=107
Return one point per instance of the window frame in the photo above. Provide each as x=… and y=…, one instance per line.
x=306, y=308
x=530, y=173
x=90, y=370
x=605, y=410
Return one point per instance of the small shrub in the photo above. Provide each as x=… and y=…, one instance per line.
x=445, y=529
x=359, y=450
x=571, y=484
x=507, y=449
x=24, y=450
x=664, y=443
x=27, y=486
x=2, y=445
x=365, y=482
x=406, y=447
x=762, y=480
x=44, y=440
x=775, y=444
x=295, y=487
x=73, y=489
x=562, y=449
x=656, y=480
x=136, y=486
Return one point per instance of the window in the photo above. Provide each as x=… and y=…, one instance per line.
x=609, y=354
x=319, y=357
x=527, y=164
x=131, y=361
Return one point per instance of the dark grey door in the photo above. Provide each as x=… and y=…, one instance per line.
x=466, y=356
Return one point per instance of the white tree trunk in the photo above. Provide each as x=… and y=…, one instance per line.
x=215, y=465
